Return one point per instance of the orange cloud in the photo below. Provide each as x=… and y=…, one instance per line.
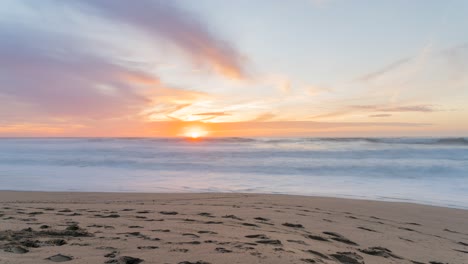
x=175, y=128
x=213, y=114
x=264, y=117
x=276, y=128
x=34, y=129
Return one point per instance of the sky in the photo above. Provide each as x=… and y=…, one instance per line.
x=266, y=68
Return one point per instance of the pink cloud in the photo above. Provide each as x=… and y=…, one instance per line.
x=165, y=19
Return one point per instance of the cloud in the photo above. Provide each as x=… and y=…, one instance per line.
x=380, y=115
x=332, y=114
x=163, y=110
x=417, y=62
x=315, y=90
x=167, y=102
x=415, y=108
x=164, y=19
x=264, y=117
x=213, y=114
x=410, y=108
x=378, y=73
x=286, y=86
x=57, y=77
x=410, y=65
x=358, y=109
x=208, y=116
x=301, y=128
x=26, y=129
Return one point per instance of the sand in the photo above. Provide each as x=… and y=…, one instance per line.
x=41, y=227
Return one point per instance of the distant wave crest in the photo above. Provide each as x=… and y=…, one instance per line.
x=460, y=141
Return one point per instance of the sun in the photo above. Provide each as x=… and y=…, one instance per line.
x=194, y=135
x=194, y=132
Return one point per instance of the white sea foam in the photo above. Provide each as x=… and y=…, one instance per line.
x=422, y=170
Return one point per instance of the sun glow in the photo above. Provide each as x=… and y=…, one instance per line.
x=194, y=135
x=194, y=132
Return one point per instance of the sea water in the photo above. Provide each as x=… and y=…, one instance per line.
x=421, y=170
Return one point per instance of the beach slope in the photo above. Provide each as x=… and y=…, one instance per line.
x=42, y=227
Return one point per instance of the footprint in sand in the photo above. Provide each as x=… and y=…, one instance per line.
x=196, y=262
x=161, y=230
x=59, y=258
x=125, y=260
x=367, y=229
x=223, y=250
x=293, y=225
x=249, y=224
x=410, y=223
x=348, y=258
x=147, y=247
x=213, y=223
x=207, y=232
x=407, y=229
x=340, y=238
x=16, y=250
x=182, y=250
x=300, y=242
x=269, y=242
x=259, y=236
x=191, y=235
x=168, y=213
x=113, y=254
x=107, y=216
x=380, y=251
x=316, y=253
x=318, y=238
x=205, y=214
x=233, y=217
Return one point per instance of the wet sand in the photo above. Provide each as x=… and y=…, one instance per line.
x=41, y=227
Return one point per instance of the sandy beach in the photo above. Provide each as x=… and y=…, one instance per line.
x=42, y=227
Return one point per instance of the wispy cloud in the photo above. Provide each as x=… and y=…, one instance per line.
x=412, y=64
x=164, y=19
x=408, y=108
x=264, y=117
x=213, y=114
x=332, y=114
x=63, y=81
x=414, y=108
x=71, y=81
x=376, y=110
x=386, y=69
x=380, y=115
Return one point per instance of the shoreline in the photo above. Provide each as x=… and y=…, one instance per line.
x=345, y=197
x=102, y=227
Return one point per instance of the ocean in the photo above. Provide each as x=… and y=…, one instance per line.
x=421, y=170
